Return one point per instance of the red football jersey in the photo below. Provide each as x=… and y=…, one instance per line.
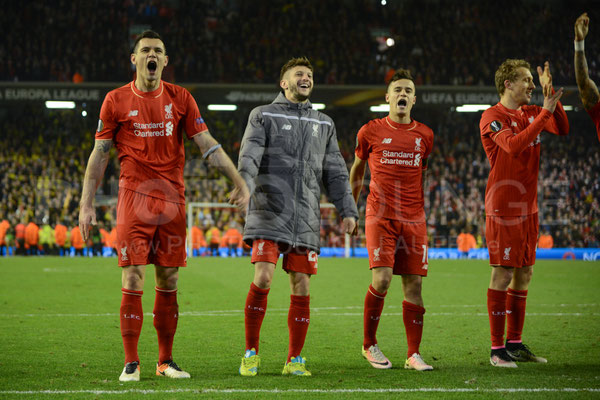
x=397, y=155
x=511, y=140
x=595, y=114
x=147, y=129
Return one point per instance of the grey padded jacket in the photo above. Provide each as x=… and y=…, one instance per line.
x=288, y=149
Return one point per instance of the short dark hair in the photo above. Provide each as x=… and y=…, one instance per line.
x=148, y=35
x=508, y=71
x=294, y=62
x=401, y=74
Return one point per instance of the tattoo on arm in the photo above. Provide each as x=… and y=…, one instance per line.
x=103, y=145
x=587, y=88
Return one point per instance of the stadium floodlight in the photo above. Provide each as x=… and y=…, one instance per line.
x=60, y=104
x=380, y=108
x=472, y=107
x=390, y=42
x=84, y=113
x=318, y=106
x=222, y=107
x=568, y=108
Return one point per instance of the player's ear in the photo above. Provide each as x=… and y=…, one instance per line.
x=132, y=58
x=414, y=100
x=166, y=60
x=387, y=97
x=507, y=84
x=283, y=84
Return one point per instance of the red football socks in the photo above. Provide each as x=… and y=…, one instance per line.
x=412, y=315
x=131, y=316
x=254, y=313
x=496, y=303
x=298, y=321
x=166, y=314
x=372, y=313
x=516, y=301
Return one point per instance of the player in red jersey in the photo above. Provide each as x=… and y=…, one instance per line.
x=147, y=120
x=588, y=91
x=510, y=133
x=396, y=148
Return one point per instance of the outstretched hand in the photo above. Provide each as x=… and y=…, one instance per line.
x=551, y=100
x=87, y=217
x=581, y=27
x=545, y=76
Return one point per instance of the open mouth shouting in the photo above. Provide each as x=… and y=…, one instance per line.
x=152, y=66
x=402, y=104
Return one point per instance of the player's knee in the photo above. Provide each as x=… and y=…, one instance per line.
x=133, y=281
x=382, y=284
x=263, y=280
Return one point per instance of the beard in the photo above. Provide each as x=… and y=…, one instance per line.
x=297, y=95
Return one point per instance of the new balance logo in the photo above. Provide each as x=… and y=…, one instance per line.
x=287, y=127
x=513, y=124
x=530, y=120
x=124, y=254
x=260, y=248
x=506, y=254
x=386, y=141
x=133, y=113
x=425, y=266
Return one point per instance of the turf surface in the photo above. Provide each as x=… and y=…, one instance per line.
x=61, y=338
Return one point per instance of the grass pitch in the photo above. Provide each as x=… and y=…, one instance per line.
x=61, y=338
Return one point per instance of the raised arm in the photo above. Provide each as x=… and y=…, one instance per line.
x=94, y=172
x=216, y=156
x=588, y=91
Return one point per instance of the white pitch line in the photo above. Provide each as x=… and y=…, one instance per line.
x=280, y=391
x=226, y=313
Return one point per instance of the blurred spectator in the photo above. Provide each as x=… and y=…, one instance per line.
x=47, y=239
x=60, y=238
x=77, y=241
x=4, y=225
x=222, y=43
x=545, y=241
x=213, y=237
x=32, y=238
x=465, y=242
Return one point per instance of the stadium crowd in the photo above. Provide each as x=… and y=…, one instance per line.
x=446, y=42
x=43, y=154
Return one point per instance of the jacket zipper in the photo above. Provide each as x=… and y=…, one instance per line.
x=298, y=184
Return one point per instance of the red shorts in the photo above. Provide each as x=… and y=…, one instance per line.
x=150, y=231
x=512, y=241
x=297, y=259
x=397, y=244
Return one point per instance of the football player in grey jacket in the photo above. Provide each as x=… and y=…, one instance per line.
x=287, y=151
